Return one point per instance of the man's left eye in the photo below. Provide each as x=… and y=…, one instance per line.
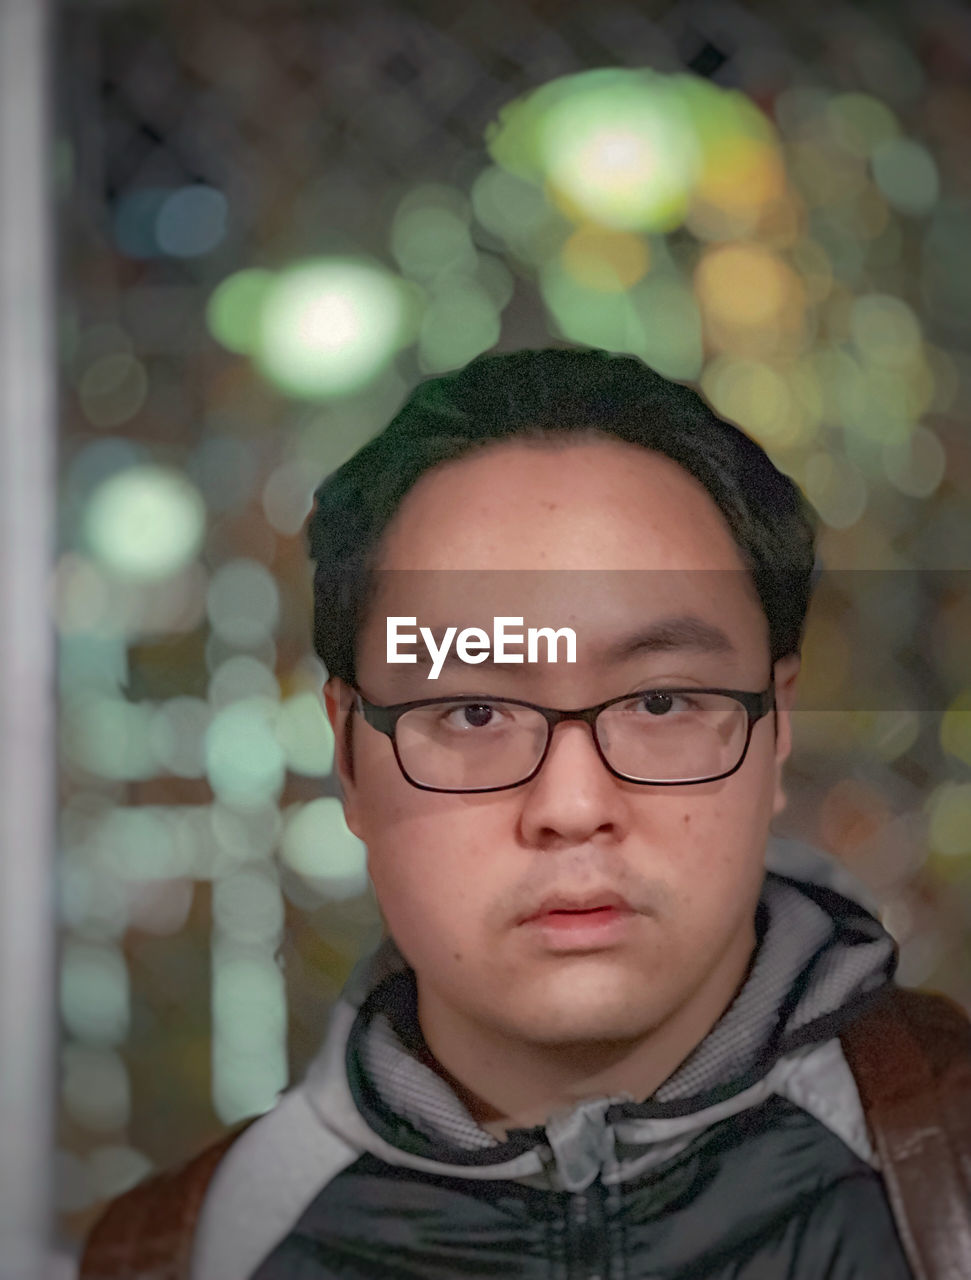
x=473, y=715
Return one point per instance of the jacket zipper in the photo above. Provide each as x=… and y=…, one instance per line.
x=586, y=1237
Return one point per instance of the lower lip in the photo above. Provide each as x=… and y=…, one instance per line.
x=581, y=930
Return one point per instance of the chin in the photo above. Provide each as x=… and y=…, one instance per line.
x=578, y=1021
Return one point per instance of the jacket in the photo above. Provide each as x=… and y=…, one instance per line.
x=753, y=1161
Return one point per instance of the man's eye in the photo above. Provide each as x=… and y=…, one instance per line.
x=472, y=715
x=658, y=702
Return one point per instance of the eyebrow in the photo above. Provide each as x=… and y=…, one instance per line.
x=672, y=635
x=683, y=633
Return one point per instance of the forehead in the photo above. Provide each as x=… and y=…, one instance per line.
x=598, y=504
x=603, y=537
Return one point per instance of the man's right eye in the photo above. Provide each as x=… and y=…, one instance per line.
x=471, y=715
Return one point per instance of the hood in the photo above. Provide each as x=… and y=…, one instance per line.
x=819, y=958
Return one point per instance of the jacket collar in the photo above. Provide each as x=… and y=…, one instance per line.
x=819, y=956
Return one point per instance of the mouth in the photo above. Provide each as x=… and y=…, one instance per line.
x=585, y=912
x=590, y=906
x=581, y=929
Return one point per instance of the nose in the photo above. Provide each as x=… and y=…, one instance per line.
x=574, y=798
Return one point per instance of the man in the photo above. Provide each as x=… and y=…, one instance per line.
x=599, y=1039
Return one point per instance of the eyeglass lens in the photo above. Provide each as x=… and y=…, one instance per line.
x=656, y=737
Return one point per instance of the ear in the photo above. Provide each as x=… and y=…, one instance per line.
x=786, y=672
x=339, y=702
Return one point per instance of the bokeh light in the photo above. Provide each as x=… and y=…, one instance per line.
x=234, y=310
x=906, y=174
x=243, y=603
x=144, y=522
x=191, y=221
x=328, y=326
x=94, y=993
x=752, y=301
x=112, y=389
x=249, y=1062
x=460, y=322
x=616, y=145
x=317, y=844
x=430, y=233
x=304, y=733
x=245, y=763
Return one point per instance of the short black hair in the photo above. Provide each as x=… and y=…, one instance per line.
x=551, y=394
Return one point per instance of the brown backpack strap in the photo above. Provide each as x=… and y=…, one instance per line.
x=910, y=1054
x=147, y=1233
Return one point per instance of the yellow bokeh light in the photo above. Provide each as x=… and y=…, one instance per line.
x=749, y=298
x=742, y=176
x=956, y=728
x=949, y=808
x=609, y=262
x=757, y=397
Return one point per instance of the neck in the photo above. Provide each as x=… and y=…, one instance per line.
x=511, y=1083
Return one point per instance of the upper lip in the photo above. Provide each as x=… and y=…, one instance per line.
x=577, y=902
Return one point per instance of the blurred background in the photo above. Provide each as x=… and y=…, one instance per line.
x=274, y=219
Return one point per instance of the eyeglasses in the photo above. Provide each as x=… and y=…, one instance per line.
x=658, y=737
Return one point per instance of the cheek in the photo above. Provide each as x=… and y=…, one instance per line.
x=715, y=838
x=433, y=859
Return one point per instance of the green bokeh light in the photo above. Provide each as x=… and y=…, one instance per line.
x=247, y=906
x=305, y=735
x=109, y=737
x=428, y=238
x=513, y=209
x=244, y=761
x=657, y=319
x=906, y=173
x=112, y=389
x=143, y=843
x=460, y=322
x=234, y=309
x=249, y=1014
x=617, y=144
x=145, y=522
x=318, y=845
x=176, y=734
x=248, y=1005
x=94, y=993
x=242, y=677
x=243, y=602
x=93, y=903
x=329, y=326
x=861, y=122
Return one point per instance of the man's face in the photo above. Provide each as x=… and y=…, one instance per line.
x=609, y=539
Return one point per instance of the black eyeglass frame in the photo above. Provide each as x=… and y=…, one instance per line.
x=385, y=720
